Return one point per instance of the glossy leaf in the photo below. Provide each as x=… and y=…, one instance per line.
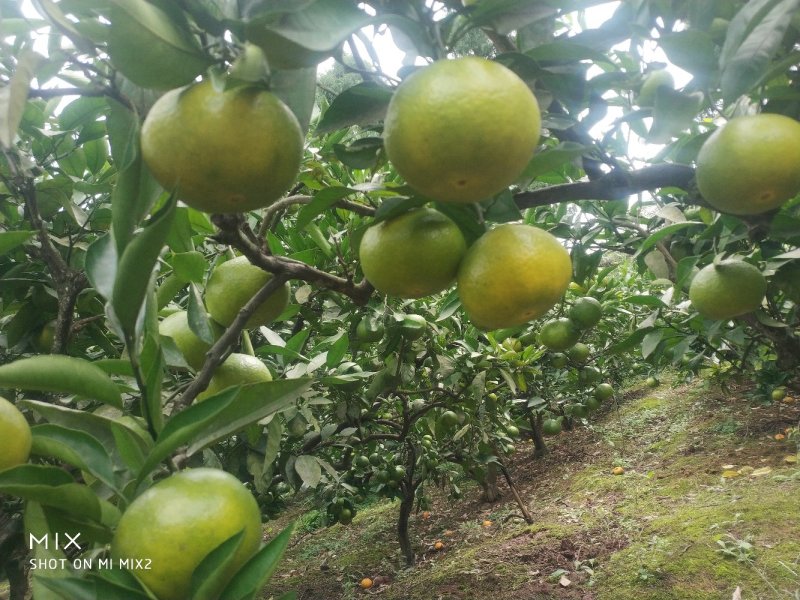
x=362, y=104
x=309, y=470
x=14, y=95
x=75, y=448
x=11, y=239
x=213, y=568
x=257, y=571
x=61, y=374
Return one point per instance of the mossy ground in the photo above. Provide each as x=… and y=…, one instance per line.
x=671, y=527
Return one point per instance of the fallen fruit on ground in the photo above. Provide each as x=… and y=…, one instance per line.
x=366, y=583
x=224, y=151
x=193, y=349
x=426, y=515
x=487, y=523
x=780, y=437
x=512, y=274
x=778, y=394
x=178, y=521
x=237, y=369
x=749, y=165
x=651, y=382
x=461, y=130
x=233, y=283
x=15, y=434
x=414, y=255
x=727, y=289
x=618, y=471
x=438, y=546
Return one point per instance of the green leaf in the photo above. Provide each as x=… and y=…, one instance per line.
x=101, y=265
x=134, y=195
x=189, y=266
x=212, y=570
x=662, y=233
x=199, y=321
x=75, y=448
x=644, y=300
x=650, y=342
x=362, y=104
x=301, y=38
x=11, y=239
x=628, y=343
x=552, y=158
x=257, y=571
x=309, y=470
x=221, y=415
x=37, y=524
x=754, y=37
x=297, y=89
x=14, y=95
x=61, y=374
x=501, y=208
x=52, y=486
x=123, y=134
x=361, y=154
x=691, y=50
x=135, y=270
x=673, y=112
x=152, y=45
x=73, y=588
x=322, y=201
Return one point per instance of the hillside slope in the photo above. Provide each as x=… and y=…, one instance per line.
x=709, y=502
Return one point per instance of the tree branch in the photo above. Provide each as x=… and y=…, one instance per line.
x=232, y=232
x=221, y=348
x=616, y=185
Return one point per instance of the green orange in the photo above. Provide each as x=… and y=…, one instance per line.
x=586, y=312
x=512, y=274
x=461, y=130
x=173, y=525
x=237, y=369
x=414, y=255
x=233, y=283
x=176, y=326
x=750, y=165
x=15, y=434
x=223, y=151
x=559, y=334
x=727, y=289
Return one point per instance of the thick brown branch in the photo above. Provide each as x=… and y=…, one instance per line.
x=616, y=185
x=231, y=233
x=221, y=348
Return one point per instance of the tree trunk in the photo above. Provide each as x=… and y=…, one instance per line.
x=406, y=505
x=491, y=492
x=539, y=445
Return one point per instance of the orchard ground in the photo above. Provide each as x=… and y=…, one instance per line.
x=707, y=504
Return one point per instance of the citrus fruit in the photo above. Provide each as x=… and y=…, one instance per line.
x=225, y=152
x=297, y=426
x=618, y=471
x=559, y=334
x=173, y=526
x=345, y=516
x=487, y=523
x=512, y=431
x=176, y=326
x=603, y=392
x=16, y=435
x=369, y=329
x=579, y=353
x=551, y=426
x=651, y=382
x=727, y=289
x=361, y=461
x=461, y=130
x=366, y=583
x=512, y=274
x=233, y=283
x=237, y=369
x=413, y=327
x=448, y=419
x=44, y=340
x=588, y=375
x=778, y=394
x=592, y=403
x=558, y=360
x=586, y=312
x=414, y=255
x=651, y=83
x=382, y=476
x=749, y=165
x=438, y=545
x=578, y=411
x=375, y=459
x=398, y=473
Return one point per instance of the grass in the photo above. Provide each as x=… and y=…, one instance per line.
x=670, y=528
